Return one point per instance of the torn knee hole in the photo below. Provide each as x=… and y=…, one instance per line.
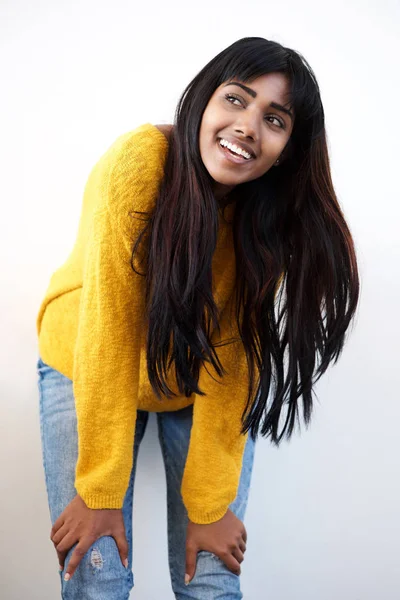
x=96, y=560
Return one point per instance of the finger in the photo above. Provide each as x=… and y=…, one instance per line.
x=56, y=539
x=244, y=534
x=66, y=543
x=79, y=552
x=61, y=559
x=231, y=562
x=242, y=546
x=190, y=565
x=60, y=534
x=238, y=554
x=57, y=524
x=123, y=548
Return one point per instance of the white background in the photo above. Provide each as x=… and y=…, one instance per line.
x=323, y=516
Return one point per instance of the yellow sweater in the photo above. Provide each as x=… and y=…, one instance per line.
x=90, y=327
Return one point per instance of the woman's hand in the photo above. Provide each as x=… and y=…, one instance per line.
x=78, y=523
x=225, y=538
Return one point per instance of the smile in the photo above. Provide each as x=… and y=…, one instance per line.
x=232, y=156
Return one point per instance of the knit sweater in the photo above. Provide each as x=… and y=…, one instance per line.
x=91, y=329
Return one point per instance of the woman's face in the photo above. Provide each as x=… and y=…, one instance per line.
x=245, y=115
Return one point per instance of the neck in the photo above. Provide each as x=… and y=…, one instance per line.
x=221, y=192
x=224, y=201
x=224, y=197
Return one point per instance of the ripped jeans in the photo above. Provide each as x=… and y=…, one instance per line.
x=100, y=574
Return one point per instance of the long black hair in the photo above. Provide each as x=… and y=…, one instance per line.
x=291, y=242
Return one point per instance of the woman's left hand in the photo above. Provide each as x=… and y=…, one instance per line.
x=225, y=538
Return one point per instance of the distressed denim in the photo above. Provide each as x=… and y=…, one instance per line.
x=100, y=574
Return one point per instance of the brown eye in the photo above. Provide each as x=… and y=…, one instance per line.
x=280, y=123
x=229, y=96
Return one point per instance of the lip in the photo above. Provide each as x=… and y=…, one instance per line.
x=237, y=160
x=239, y=143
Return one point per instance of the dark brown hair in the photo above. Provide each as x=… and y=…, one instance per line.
x=287, y=222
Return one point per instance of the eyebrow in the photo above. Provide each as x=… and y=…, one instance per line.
x=253, y=93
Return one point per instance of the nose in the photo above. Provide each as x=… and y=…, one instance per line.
x=248, y=126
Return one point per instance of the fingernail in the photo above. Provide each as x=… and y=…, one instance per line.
x=126, y=563
x=187, y=579
x=60, y=568
x=67, y=577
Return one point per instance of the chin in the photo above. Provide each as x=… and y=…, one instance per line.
x=222, y=181
x=223, y=178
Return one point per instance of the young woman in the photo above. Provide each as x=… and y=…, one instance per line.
x=212, y=281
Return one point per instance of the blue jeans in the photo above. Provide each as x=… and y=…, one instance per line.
x=100, y=574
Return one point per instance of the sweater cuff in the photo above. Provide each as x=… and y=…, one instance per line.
x=98, y=502
x=205, y=518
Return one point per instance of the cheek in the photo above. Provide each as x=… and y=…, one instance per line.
x=203, y=143
x=212, y=120
x=270, y=151
x=206, y=129
x=267, y=164
x=262, y=169
x=207, y=139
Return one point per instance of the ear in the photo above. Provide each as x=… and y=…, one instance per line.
x=287, y=152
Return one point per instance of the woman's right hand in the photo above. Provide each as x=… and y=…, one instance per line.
x=83, y=525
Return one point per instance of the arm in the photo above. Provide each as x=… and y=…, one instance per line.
x=214, y=462
x=106, y=369
x=107, y=350
x=111, y=318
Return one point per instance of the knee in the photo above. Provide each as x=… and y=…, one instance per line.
x=100, y=570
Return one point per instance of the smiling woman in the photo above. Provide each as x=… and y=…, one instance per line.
x=248, y=122
x=168, y=304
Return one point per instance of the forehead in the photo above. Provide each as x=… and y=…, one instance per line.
x=272, y=86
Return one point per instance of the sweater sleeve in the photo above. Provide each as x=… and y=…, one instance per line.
x=215, y=456
x=214, y=461
x=111, y=316
x=106, y=370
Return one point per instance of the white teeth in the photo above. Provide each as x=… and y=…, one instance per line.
x=235, y=149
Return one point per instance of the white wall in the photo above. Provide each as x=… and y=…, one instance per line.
x=323, y=518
